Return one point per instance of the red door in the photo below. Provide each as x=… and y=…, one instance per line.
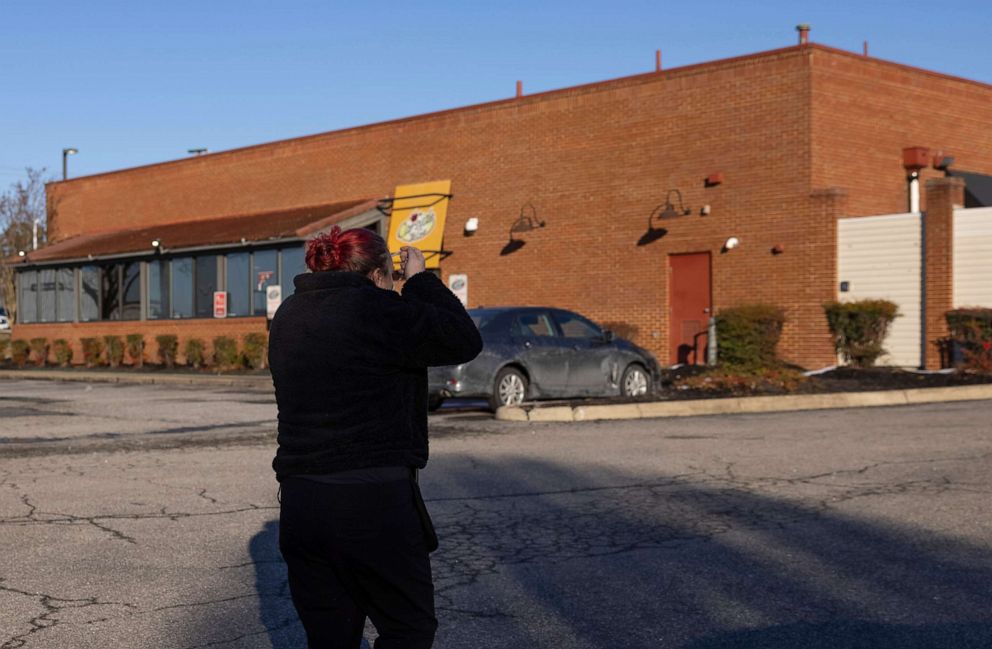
x=689, y=307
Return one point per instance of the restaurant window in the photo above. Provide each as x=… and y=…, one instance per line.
x=27, y=301
x=206, y=284
x=89, y=298
x=46, y=295
x=65, y=287
x=158, y=289
x=110, y=292
x=264, y=274
x=238, y=284
x=293, y=264
x=182, y=287
x=131, y=292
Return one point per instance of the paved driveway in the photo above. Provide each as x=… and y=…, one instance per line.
x=135, y=516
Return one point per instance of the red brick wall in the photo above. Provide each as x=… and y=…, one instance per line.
x=595, y=161
x=206, y=330
x=865, y=111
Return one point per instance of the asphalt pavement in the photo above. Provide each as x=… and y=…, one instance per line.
x=145, y=516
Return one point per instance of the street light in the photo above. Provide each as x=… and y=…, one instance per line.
x=34, y=235
x=198, y=151
x=65, y=156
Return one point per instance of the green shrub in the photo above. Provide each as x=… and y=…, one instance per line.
x=255, y=350
x=971, y=332
x=40, y=348
x=136, y=349
x=20, y=350
x=92, y=350
x=115, y=350
x=747, y=335
x=63, y=352
x=168, y=344
x=225, y=352
x=4, y=344
x=859, y=328
x=195, y=352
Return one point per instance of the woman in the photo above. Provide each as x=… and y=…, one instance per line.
x=349, y=358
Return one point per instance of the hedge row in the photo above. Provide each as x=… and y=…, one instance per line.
x=747, y=336
x=111, y=350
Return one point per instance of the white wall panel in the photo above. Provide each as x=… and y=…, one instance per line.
x=880, y=257
x=973, y=257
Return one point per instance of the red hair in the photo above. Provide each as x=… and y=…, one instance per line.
x=358, y=250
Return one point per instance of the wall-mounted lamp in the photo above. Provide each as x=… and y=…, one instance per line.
x=471, y=226
x=778, y=248
x=730, y=244
x=526, y=221
x=22, y=254
x=704, y=210
x=669, y=211
x=156, y=245
x=942, y=162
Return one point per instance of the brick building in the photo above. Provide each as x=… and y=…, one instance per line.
x=770, y=149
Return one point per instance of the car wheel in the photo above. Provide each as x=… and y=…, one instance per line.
x=509, y=389
x=636, y=382
x=434, y=402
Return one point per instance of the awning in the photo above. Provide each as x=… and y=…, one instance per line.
x=977, y=188
x=240, y=229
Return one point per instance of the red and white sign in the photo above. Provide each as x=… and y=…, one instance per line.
x=220, y=304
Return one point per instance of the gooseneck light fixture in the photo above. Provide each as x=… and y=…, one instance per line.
x=526, y=221
x=68, y=151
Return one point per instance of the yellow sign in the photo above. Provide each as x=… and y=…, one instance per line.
x=418, y=219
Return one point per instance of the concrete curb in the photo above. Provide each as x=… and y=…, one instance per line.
x=785, y=403
x=260, y=382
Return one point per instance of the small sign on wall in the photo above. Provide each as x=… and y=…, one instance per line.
x=273, y=298
x=459, y=286
x=220, y=304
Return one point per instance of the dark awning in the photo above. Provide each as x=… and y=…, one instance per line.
x=240, y=229
x=977, y=188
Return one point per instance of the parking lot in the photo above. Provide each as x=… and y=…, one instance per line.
x=146, y=516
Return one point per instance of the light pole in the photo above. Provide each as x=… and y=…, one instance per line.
x=34, y=235
x=65, y=156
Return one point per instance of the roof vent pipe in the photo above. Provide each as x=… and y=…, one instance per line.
x=657, y=60
x=803, y=30
x=520, y=88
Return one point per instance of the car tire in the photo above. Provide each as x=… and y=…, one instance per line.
x=635, y=382
x=509, y=388
x=434, y=402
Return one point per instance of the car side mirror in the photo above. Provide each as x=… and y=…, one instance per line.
x=608, y=336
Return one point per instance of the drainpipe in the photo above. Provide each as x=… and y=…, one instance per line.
x=914, y=158
x=914, y=191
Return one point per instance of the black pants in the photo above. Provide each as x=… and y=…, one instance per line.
x=355, y=551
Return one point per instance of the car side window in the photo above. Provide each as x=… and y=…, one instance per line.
x=534, y=325
x=575, y=326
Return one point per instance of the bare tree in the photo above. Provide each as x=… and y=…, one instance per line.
x=21, y=206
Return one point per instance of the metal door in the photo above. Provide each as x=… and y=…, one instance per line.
x=689, y=300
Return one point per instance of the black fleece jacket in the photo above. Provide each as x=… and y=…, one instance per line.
x=349, y=363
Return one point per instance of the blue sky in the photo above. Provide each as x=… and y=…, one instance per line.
x=137, y=82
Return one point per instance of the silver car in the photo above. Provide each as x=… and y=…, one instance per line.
x=541, y=353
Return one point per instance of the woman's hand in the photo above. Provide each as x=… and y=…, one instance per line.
x=411, y=261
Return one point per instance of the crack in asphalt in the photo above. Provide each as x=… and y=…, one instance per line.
x=52, y=606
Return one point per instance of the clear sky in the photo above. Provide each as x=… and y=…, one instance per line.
x=135, y=82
